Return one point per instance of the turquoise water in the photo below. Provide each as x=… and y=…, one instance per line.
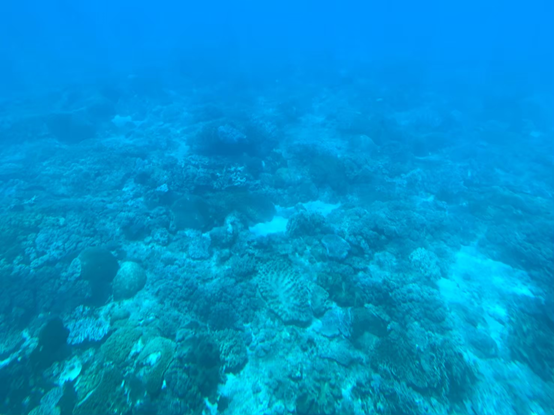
x=312, y=208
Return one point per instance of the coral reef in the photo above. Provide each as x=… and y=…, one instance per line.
x=323, y=243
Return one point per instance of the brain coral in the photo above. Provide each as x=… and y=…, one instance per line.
x=100, y=391
x=119, y=345
x=285, y=292
x=154, y=361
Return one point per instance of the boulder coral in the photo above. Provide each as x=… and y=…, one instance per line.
x=128, y=281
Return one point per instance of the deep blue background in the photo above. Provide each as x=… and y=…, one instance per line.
x=51, y=42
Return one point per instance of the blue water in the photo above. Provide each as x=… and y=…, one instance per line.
x=312, y=208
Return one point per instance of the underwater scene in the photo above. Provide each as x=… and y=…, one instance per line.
x=271, y=208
